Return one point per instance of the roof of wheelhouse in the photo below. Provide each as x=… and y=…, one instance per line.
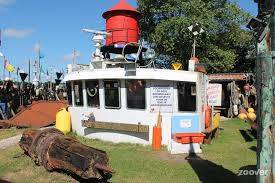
x=141, y=73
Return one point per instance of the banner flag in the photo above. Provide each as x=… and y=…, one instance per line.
x=41, y=70
x=5, y=62
x=41, y=55
x=8, y=66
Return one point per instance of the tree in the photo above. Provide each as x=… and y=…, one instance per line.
x=224, y=45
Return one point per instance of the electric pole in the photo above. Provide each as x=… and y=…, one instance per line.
x=39, y=66
x=29, y=78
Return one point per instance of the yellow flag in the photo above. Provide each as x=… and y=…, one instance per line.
x=177, y=66
x=9, y=68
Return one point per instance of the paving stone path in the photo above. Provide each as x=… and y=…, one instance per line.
x=5, y=143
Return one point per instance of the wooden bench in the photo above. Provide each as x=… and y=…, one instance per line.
x=116, y=126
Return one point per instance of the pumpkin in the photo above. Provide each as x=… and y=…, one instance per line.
x=251, y=116
x=251, y=110
x=242, y=116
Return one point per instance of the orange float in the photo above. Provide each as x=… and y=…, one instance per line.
x=157, y=134
x=187, y=138
x=157, y=137
x=207, y=116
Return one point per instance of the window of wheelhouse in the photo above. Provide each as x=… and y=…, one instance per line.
x=69, y=92
x=135, y=94
x=187, y=96
x=92, y=89
x=112, y=94
x=78, y=94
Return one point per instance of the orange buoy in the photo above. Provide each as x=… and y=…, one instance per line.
x=157, y=137
x=207, y=116
x=157, y=134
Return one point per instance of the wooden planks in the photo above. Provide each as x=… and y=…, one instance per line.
x=116, y=126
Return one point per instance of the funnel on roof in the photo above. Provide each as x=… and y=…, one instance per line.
x=121, y=6
x=122, y=22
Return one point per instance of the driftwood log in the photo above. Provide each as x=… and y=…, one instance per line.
x=55, y=151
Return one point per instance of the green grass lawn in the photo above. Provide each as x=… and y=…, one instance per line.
x=6, y=133
x=220, y=162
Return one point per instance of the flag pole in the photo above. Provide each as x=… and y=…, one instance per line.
x=39, y=71
x=17, y=72
x=74, y=57
x=29, y=79
x=4, y=56
x=4, y=71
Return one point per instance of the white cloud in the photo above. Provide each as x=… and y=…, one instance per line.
x=17, y=33
x=71, y=56
x=6, y=2
x=36, y=47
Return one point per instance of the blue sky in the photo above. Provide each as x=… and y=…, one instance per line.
x=248, y=5
x=56, y=26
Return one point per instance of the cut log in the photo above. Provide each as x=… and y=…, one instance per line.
x=55, y=151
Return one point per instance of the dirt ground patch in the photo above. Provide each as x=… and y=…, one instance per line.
x=166, y=156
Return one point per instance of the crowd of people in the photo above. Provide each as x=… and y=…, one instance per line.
x=13, y=95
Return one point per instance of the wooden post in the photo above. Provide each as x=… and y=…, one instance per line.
x=272, y=34
x=265, y=93
x=264, y=154
x=264, y=110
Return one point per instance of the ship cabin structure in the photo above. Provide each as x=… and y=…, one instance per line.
x=125, y=108
x=118, y=99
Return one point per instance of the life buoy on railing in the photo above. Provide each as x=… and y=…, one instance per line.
x=92, y=92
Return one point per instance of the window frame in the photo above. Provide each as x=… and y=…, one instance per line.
x=69, y=92
x=95, y=80
x=145, y=95
x=80, y=93
x=178, y=106
x=119, y=94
